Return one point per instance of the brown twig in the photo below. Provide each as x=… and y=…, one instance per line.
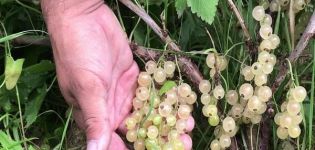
x=240, y=19
x=303, y=42
x=189, y=69
x=248, y=40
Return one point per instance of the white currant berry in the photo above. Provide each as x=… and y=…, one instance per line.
x=258, y=13
x=150, y=67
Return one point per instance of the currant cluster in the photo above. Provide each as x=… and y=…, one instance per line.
x=223, y=134
x=290, y=116
x=209, y=99
x=159, y=118
x=298, y=5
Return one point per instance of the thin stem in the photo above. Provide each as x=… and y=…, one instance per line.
x=21, y=117
x=291, y=72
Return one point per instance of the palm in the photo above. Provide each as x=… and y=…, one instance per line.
x=96, y=71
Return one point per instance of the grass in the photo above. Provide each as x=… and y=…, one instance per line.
x=33, y=114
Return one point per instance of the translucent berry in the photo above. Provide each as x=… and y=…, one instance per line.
x=273, y=59
x=293, y=108
x=171, y=97
x=204, y=86
x=299, y=5
x=232, y=97
x=152, y=132
x=225, y=141
x=256, y=119
x=258, y=13
x=142, y=132
x=256, y=68
x=267, y=68
x=265, y=31
x=274, y=6
x=228, y=124
x=246, y=91
x=181, y=125
x=222, y=63
x=144, y=79
x=184, y=90
x=137, y=104
x=171, y=120
x=218, y=92
x=139, y=145
x=191, y=99
x=247, y=73
x=264, y=93
x=183, y=111
x=150, y=67
x=169, y=67
x=215, y=145
x=214, y=120
x=172, y=135
x=131, y=135
x=285, y=120
x=159, y=75
x=237, y=110
x=294, y=131
x=205, y=99
x=131, y=123
x=260, y=79
x=210, y=60
x=142, y=93
x=299, y=93
x=165, y=109
x=157, y=119
x=209, y=110
x=254, y=104
x=282, y=133
x=275, y=41
x=267, y=20
x=265, y=45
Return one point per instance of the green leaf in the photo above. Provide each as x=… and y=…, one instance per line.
x=205, y=9
x=12, y=71
x=180, y=6
x=166, y=87
x=32, y=108
x=7, y=142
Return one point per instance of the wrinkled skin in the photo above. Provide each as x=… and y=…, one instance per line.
x=95, y=68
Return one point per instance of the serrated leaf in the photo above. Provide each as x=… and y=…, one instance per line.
x=166, y=87
x=205, y=9
x=180, y=6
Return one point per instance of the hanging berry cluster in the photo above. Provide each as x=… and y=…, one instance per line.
x=249, y=102
x=161, y=109
x=290, y=116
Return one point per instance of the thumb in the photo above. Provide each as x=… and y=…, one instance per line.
x=96, y=128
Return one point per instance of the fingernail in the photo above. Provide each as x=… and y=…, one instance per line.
x=91, y=145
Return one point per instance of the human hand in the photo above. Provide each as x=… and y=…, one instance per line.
x=95, y=68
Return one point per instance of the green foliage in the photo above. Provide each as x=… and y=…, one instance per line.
x=205, y=9
x=7, y=142
x=13, y=69
x=166, y=87
x=180, y=6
